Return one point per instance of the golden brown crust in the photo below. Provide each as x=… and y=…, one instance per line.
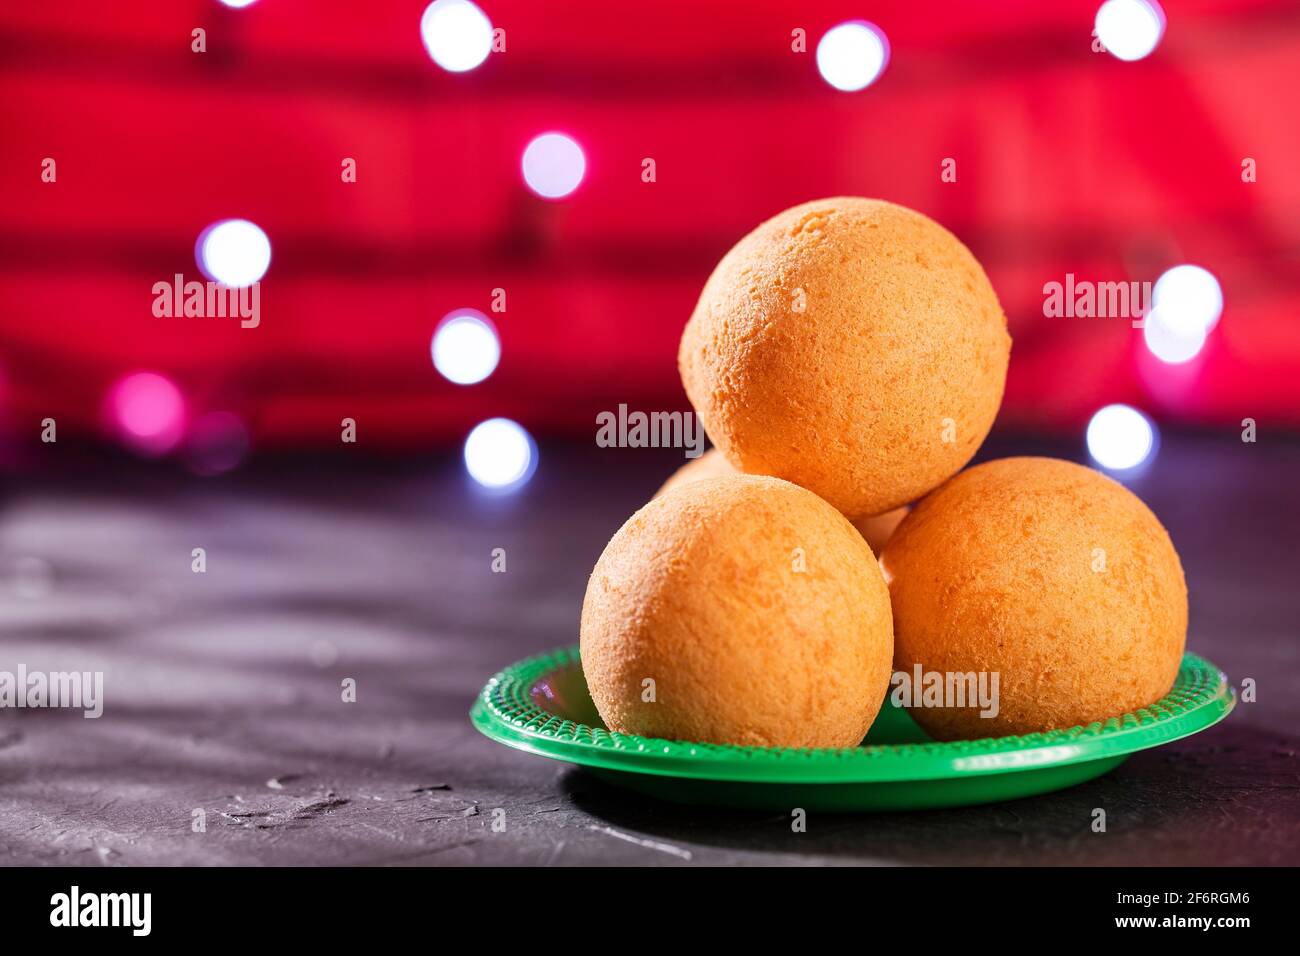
x=757, y=610
x=851, y=346
x=1049, y=573
x=712, y=464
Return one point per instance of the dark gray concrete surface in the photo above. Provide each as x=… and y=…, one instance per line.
x=223, y=688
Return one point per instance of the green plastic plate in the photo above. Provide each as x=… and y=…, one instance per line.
x=541, y=705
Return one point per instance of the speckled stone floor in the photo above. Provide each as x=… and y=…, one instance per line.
x=223, y=690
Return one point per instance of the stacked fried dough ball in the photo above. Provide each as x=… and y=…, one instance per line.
x=851, y=346
x=854, y=352
x=713, y=464
x=754, y=609
x=1049, y=574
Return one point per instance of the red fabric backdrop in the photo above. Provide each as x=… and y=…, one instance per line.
x=1068, y=161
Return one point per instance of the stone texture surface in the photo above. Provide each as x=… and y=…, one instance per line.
x=223, y=688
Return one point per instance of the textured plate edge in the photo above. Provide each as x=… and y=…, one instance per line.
x=761, y=766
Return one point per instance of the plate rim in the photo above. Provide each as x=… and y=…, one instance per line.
x=548, y=735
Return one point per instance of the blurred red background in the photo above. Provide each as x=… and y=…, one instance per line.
x=1068, y=161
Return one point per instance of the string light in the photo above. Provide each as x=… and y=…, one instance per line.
x=457, y=34
x=147, y=410
x=234, y=252
x=1120, y=437
x=1189, y=297
x=500, y=454
x=1130, y=29
x=852, y=56
x=465, y=347
x=553, y=165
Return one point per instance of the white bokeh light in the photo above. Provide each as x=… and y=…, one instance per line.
x=1189, y=298
x=457, y=34
x=1120, y=437
x=235, y=253
x=465, y=347
x=553, y=165
x=237, y=4
x=1171, y=342
x=1130, y=29
x=852, y=55
x=500, y=455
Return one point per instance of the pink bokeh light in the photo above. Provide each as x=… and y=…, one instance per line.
x=217, y=442
x=147, y=411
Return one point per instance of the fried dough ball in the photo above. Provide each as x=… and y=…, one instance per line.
x=738, y=610
x=876, y=528
x=851, y=346
x=1049, y=574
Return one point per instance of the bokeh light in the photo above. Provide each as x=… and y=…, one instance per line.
x=1189, y=298
x=217, y=442
x=852, y=56
x=500, y=454
x=1130, y=29
x=465, y=347
x=1120, y=438
x=234, y=252
x=457, y=34
x=1172, y=343
x=237, y=4
x=147, y=411
x=553, y=165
